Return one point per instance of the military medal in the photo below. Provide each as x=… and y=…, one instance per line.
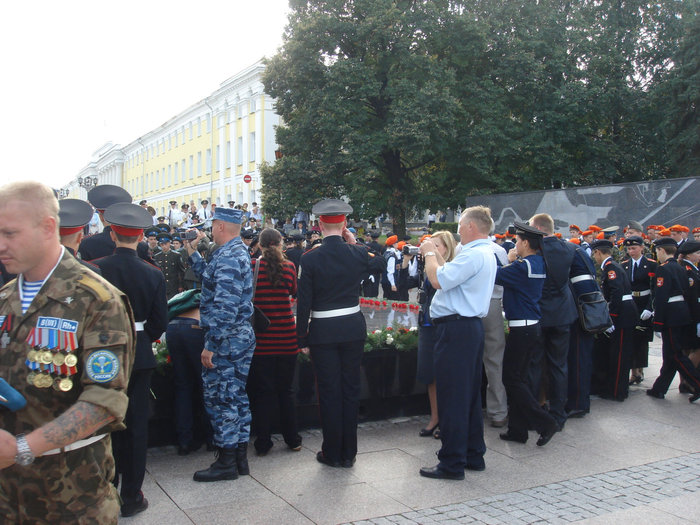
x=71, y=360
x=42, y=380
x=32, y=355
x=46, y=358
x=65, y=384
x=59, y=359
x=5, y=328
x=30, y=377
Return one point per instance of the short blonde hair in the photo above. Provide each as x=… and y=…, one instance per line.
x=40, y=199
x=481, y=216
x=449, y=241
x=544, y=222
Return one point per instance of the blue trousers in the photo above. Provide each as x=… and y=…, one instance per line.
x=459, y=351
x=580, y=369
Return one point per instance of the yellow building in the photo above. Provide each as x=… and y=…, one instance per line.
x=212, y=150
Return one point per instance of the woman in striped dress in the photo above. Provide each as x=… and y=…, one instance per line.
x=272, y=368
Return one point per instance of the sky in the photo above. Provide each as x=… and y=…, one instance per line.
x=78, y=74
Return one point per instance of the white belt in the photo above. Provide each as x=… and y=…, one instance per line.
x=521, y=322
x=578, y=278
x=627, y=297
x=325, y=314
x=641, y=293
x=75, y=446
x=139, y=326
x=676, y=299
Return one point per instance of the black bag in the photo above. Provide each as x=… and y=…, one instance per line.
x=259, y=320
x=593, y=312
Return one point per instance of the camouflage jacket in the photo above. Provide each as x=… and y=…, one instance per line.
x=76, y=313
x=227, y=294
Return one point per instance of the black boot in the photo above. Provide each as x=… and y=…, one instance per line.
x=223, y=468
x=242, y=459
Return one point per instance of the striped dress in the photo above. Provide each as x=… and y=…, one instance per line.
x=280, y=338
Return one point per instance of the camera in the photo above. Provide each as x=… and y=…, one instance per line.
x=189, y=235
x=410, y=250
x=511, y=230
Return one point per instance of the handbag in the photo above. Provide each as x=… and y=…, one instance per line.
x=259, y=320
x=593, y=312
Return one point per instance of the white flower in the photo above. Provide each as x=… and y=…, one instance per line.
x=389, y=339
x=413, y=329
x=376, y=331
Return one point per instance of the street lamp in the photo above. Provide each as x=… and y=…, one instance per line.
x=88, y=182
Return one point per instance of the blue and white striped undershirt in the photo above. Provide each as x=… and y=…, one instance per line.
x=29, y=289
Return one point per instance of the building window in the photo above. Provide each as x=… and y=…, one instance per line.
x=199, y=127
x=239, y=152
x=228, y=154
x=183, y=170
x=251, y=147
x=191, y=166
x=190, y=126
x=175, y=172
x=208, y=161
x=170, y=174
x=208, y=123
x=218, y=156
x=199, y=164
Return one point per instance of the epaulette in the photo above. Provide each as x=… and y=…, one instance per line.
x=626, y=260
x=97, y=288
x=7, y=284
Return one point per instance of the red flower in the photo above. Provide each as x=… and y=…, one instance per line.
x=168, y=360
x=389, y=328
x=157, y=341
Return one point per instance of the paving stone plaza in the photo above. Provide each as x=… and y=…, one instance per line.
x=633, y=462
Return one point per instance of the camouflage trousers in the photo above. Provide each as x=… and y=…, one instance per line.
x=225, y=398
x=73, y=487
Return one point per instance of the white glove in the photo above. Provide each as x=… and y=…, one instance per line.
x=371, y=278
x=646, y=314
x=610, y=330
x=657, y=334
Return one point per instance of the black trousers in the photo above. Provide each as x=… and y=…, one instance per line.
x=580, y=362
x=458, y=357
x=337, y=369
x=674, y=360
x=130, y=446
x=270, y=390
x=613, y=357
x=640, y=348
x=555, y=348
x=524, y=411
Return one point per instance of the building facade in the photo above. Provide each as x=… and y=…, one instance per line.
x=213, y=150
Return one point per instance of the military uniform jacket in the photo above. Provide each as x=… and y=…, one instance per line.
x=144, y=285
x=618, y=292
x=522, y=282
x=329, y=279
x=78, y=312
x=643, y=275
x=227, y=296
x=557, y=303
x=173, y=269
x=671, y=282
x=693, y=294
x=294, y=254
x=96, y=246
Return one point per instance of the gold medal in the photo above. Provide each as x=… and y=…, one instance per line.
x=65, y=384
x=42, y=381
x=31, y=356
x=55, y=384
x=71, y=360
x=46, y=358
x=59, y=359
x=30, y=377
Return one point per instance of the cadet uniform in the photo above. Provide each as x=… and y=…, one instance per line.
x=672, y=318
x=370, y=286
x=614, y=348
x=522, y=283
x=640, y=273
x=73, y=215
x=170, y=263
x=328, y=294
x=74, y=343
x=225, y=309
x=101, y=244
x=144, y=285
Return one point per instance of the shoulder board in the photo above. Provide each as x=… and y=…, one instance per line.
x=8, y=284
x=625, y=261
x=98, y=288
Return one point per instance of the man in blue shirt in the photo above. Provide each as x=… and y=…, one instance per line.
x=464, y=288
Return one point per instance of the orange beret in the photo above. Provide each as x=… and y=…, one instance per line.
x=587, y=232
x=557, y=235
x=665, y=232
x=426, y=236
x=500, y=236
x=400, y=245
x=575, y=241
x=696, y=230
x=574, y=227
x=391, y=240
x=601, y=235
x=677, y=228
x=594, y=228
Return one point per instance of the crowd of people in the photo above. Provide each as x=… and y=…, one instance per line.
x=79, y=315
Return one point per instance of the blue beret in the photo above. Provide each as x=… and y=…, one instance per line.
x=228, y=215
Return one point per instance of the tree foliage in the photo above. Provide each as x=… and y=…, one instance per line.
x=408, y=104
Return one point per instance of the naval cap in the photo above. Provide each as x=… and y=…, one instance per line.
x=102, y=197
x=665, y=241
x=128, y=219
x=73, y=215
x=601, y=243
x=689, y=247
x=164, y=237
x=331, y=211
x=633, y=240
x=152, y=232
x=527, y=231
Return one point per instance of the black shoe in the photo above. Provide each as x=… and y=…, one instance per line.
x=507, y=436
x=294, y=444
x=576, y=414
x=323, y=459
x=476, y=464
x=347, y=463
x=242, y=459
x=694, y=397
x=546, y=436
x=225, y=467
x=657, y=395
x=426, y=432
x=684, y=389
x=437, y=473
x=183, y=450
x=134, y=507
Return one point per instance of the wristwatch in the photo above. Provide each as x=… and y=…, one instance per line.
x=428, y=253
x=24, y=455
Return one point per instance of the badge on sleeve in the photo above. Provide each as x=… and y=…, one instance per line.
x=659, y=282
x=102, y=366
x=612, y=275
